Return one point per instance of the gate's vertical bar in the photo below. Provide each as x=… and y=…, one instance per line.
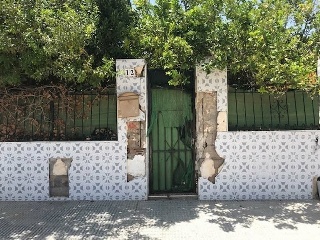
x=235, y=96
x=7, y=123
x=58, y=127
x=186, y=157
x=108, y=108
x=295, y=107
x=245, y=108
x=279, y=112
x=262, y=115
x=304, y=108
x=32, y=125
x=159, y=155
x=253, y=108
x=165, y=155
x=99, y=113
x=91, y=111
x=51, y=104
x=270, y=108
x=66, y=119
x=313, y=113
x=172, y=152
x=82, y=112
x=24, y=122
x=287, y=108
x=74, y=113
x=41, y=124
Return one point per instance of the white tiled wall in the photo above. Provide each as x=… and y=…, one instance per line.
x=98, y=170
x=215, y=81
x=265, y=165
x=259, y=165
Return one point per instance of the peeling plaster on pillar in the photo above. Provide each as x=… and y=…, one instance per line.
x=139, y=71
x=222, y=122
x=208, y=161
x=136, y=138
x=136, y=164
x=137, y=167
x=212, y=116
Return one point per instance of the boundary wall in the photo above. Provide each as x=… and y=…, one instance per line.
x=258, y=164
x=98, y=170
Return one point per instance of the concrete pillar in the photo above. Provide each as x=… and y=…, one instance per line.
x=132, y=125
x=216, y=81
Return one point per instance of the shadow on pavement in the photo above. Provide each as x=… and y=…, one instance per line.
x=124, y=219
x=283, y=214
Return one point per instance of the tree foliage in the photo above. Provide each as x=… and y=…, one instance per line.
x=172, y=35
x=46, y=41
x=272, y=43
x=115, y=20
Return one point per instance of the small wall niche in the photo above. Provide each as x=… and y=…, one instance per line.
x=59, y=177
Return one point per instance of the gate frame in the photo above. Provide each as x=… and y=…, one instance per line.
x=191, y=88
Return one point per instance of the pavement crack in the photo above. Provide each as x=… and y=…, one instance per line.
x=136, y=207
x=138, y=219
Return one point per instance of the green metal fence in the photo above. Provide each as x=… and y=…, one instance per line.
x=250, y=110
x=83, y=115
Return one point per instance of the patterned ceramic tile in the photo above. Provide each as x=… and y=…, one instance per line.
x=122, y=64
x=97, y=172
x=259, y=165
x=264, y=165
x=214, y=81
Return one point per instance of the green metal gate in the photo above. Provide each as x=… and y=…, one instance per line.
x=171, y=141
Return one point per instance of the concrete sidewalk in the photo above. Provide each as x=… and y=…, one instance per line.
x=161, y=219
